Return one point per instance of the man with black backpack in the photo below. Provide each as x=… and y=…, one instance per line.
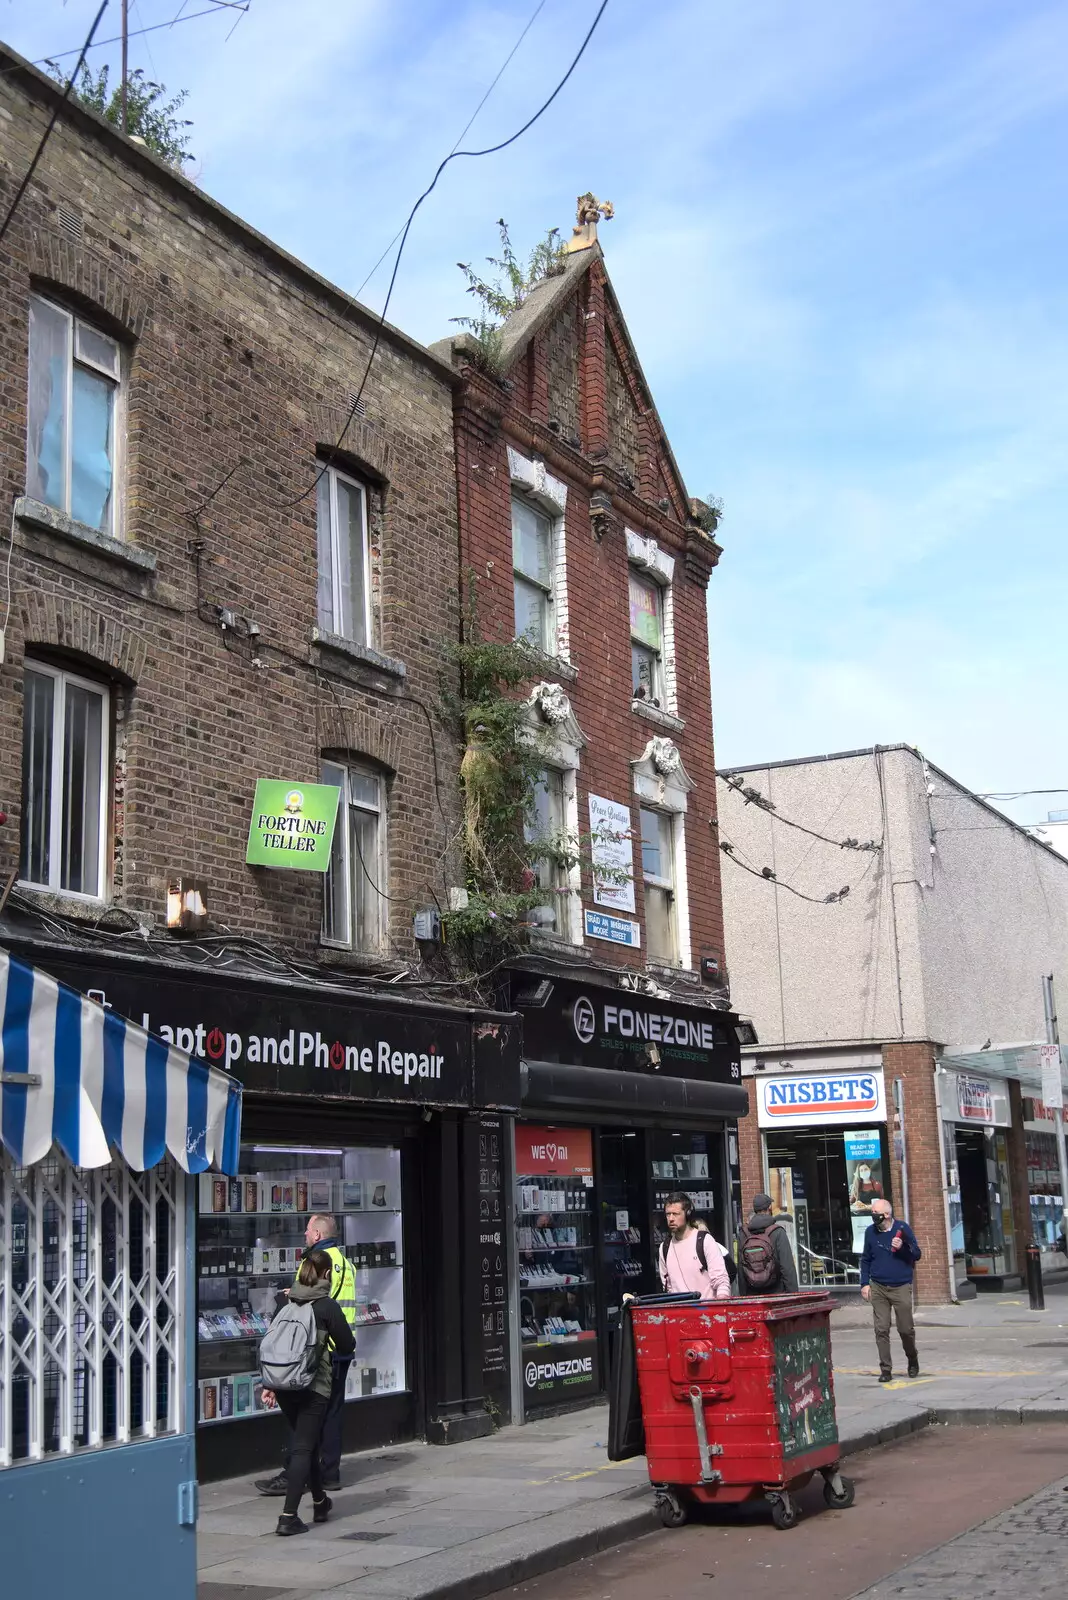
x=690, y=1259
x=765, y=1260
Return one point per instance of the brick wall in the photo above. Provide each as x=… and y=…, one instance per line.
x=914, y=1064
x=750, y=1152
x=235, y=357
x=534, y=415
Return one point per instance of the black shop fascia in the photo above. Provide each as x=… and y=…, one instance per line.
x=385, y=1111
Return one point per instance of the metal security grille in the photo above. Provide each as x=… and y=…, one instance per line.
x=91, y=1311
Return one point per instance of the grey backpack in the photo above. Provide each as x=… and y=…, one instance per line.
x=290, y=1349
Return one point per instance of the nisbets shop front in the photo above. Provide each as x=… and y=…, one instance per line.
x=826, y=1158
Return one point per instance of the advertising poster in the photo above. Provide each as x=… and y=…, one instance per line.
x=292, y=825
x=611, y=854
x=864, y=1175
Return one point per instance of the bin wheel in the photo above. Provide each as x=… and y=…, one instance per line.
x=840, y=1502
x=783, y=1511
x=671, y=1510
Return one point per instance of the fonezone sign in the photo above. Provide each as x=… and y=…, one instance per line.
x=804, y=1100
x=574, y=1370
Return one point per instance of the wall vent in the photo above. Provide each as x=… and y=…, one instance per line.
x=70, y=222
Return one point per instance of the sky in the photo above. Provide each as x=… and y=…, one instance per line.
x=839, y=244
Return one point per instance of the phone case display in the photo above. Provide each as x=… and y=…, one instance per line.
x=557, y=1262
x=681, y=1164
x=250, y=1244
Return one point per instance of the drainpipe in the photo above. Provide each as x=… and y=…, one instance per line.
x=939, y=1074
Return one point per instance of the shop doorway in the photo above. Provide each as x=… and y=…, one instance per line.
x=625, y=1250
x=985, y=1202
x=826, y=1180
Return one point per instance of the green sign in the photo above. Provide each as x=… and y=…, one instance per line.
x=292, y=825
x=804, y=1398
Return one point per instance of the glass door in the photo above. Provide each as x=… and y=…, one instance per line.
x=625, y=1249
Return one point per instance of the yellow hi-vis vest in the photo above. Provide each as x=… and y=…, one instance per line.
x=343, y=1283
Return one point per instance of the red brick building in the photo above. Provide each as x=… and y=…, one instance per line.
x=578, y=535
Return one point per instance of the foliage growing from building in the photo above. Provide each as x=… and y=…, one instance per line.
x=499, y=298
x=148, y=115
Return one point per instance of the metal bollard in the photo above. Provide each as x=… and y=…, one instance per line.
x=1034, y=1278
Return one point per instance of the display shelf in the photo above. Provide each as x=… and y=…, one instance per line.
x=552, y=1249
x=543, y=1211
x=554, y=1288
x=351, y=1211
x=380, y=1322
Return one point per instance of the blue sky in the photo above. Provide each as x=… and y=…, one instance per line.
x=839, y=243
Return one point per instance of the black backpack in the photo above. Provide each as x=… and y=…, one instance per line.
x=757, y=1258
x=702, y=1236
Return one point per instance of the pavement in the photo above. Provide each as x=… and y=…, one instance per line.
x=460, y=1522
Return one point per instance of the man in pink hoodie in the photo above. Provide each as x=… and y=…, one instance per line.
x=690, y=1259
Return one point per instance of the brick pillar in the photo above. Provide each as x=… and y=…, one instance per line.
x=594, y=383
x=1019, y=1187
x=914, y=1064
x=750, y=1156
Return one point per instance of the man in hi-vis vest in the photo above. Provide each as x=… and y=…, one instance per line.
x=322, y=1234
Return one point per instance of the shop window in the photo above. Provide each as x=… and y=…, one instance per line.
x=646, y=641
x=73, y=425
x=355, y=897
x=823, y=1183
x=65, y=727
x=658, y=871
x=532, y=566
x=251, y=1236
x=344, y=558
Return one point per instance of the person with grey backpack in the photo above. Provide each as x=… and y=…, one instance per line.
x=296, y=1366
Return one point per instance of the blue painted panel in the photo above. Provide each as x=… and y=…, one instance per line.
x=100, y=1526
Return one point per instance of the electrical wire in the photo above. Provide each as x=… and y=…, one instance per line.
x=136, y=33
x=463, y=135
x=766, y=875
x=39, y=152
x=753, y=796
x=454, y=155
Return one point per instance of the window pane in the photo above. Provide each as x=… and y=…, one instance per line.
x=531, y=614
x=530, y=542
x=351, y=564
x=96, y=348
x=46, y=443
x=91, y=447
x=656, y=859
x=659, y=924
x=326, y=563
x=366, y=874
x=82, y=821
x=645, y=612
x=37, y=776
x=364, y=790
x=335, y=886
x=642, y=673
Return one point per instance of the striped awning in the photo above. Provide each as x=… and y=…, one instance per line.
x=76, y=1075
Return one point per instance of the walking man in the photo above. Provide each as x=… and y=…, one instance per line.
x=321, y=1234
x=689, y=1258
x=886, y=1268
x=765, y=1261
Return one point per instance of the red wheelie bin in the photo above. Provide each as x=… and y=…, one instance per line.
x=736, y=1401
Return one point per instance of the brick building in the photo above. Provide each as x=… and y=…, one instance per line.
x=577, y=535
x=894, y=967
x=221, y=570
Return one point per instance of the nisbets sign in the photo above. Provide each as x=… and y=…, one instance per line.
x=796, y=1100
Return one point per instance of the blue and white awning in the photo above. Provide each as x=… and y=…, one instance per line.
x=78, y=1076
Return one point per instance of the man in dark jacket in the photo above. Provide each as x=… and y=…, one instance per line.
x=765, y=1260
x=886, y=1269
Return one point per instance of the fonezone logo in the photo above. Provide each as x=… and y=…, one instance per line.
x=545, y=1371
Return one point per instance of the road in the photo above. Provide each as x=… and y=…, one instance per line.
x=912, y=1497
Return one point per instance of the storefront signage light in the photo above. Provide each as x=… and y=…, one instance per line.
x=292, y=825
x=795, y=1101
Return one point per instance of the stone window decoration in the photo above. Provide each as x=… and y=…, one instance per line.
x=355, y=897
x=652, y=624
x=65, y=744
x=662, y=787
x=554, y=813
x=74, y=426
x=539, y=556
x=344, y=602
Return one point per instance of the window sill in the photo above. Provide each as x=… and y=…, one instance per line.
x=82, y=907
x=362, y=653
x=662, y=719
x=36, y=515
x=546, y=939
x=552, y=666
x=337, y=956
